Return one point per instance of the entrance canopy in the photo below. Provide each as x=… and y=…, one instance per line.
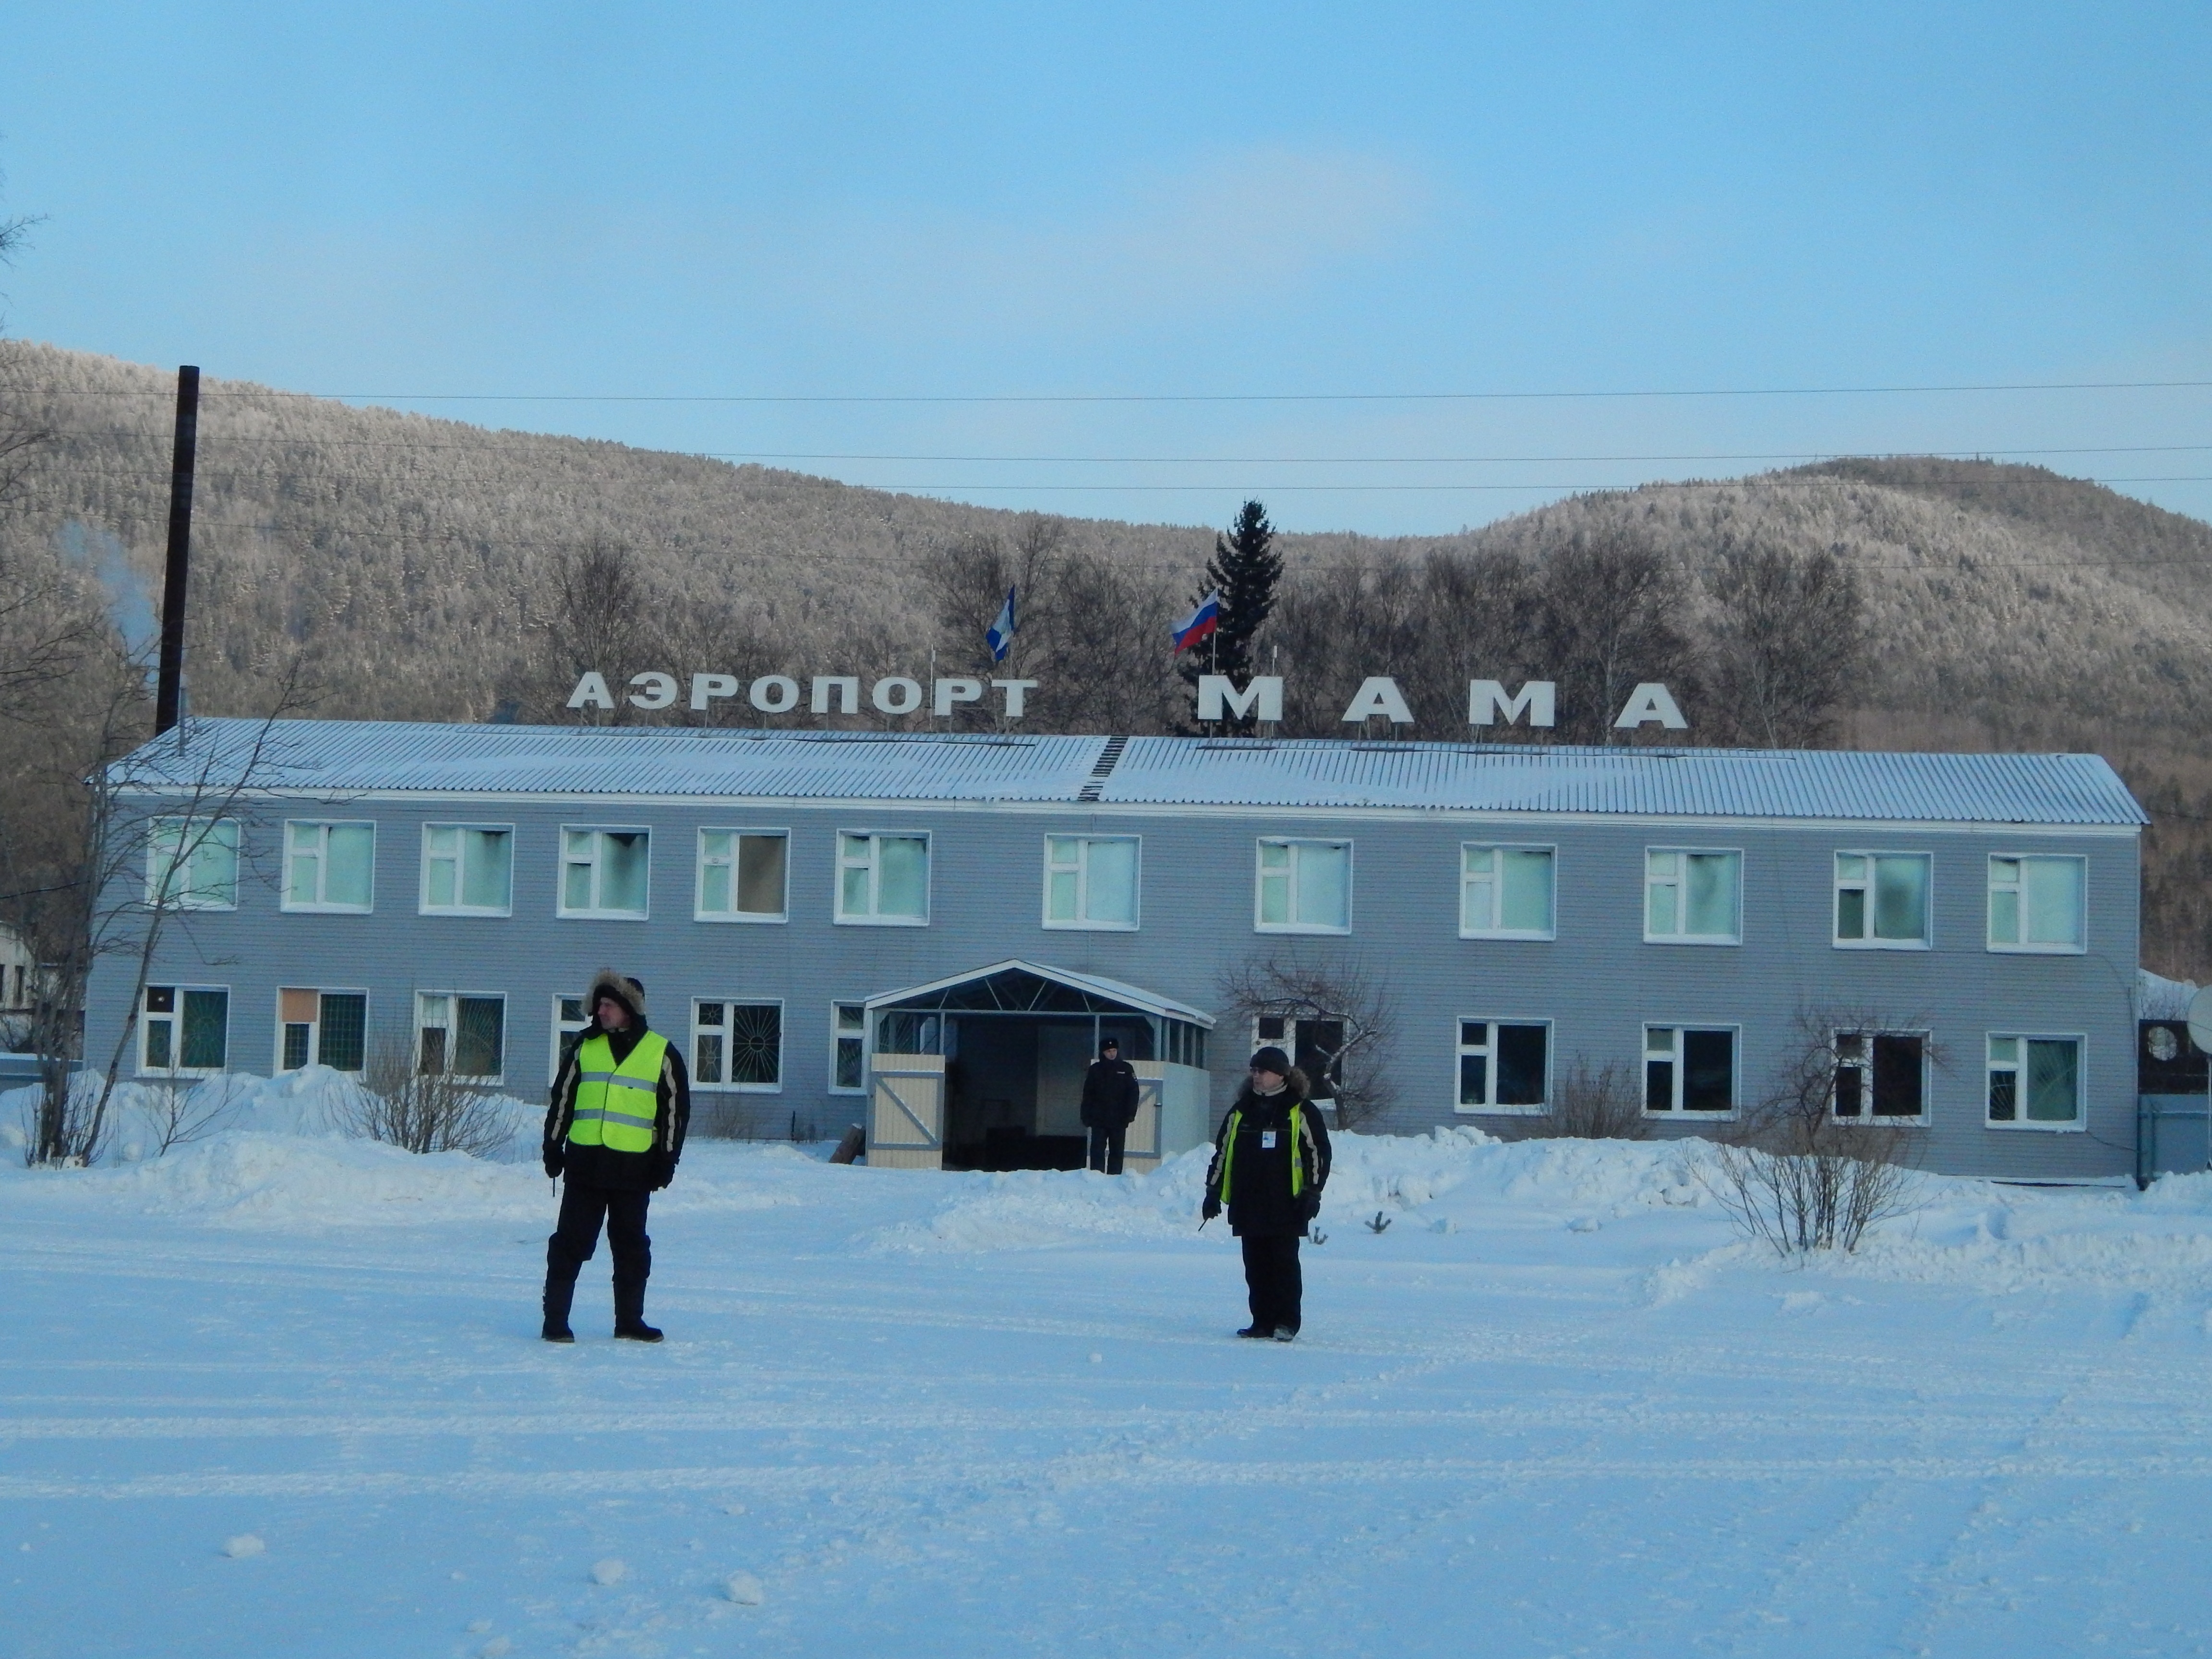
x=1016, y=987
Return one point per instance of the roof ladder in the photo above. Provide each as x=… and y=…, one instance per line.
x=1108, y=758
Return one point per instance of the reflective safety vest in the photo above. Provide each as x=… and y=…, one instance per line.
x=616, y=1104
x=1298, y=1162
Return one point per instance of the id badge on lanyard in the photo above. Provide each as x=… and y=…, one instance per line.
x=1267, y=1140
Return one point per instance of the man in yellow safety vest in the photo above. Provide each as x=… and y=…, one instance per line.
x=616, y=1128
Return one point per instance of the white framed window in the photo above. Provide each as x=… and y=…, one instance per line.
x=184, y=1031
x=571, y=1021
x=462, y=1034
x=883, y=878
x=1692, y=897
x=603, y=873
x=1505, y=892
x=1881, y=1077
x=744, y=875
x=468, y=870
x=191, y=864
x=1303, y=887
x=1316, y=1047
x=848, y=1047
x=2035, y=904
x=2035, y=1082
x=1689, y=1070
x=322, y=1027
x=737, y=1044
x=1090, y=882
x=1504, y=1066
x=1881, y=901
x=330, y=867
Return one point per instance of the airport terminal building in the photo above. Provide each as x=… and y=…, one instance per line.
x=930, y=933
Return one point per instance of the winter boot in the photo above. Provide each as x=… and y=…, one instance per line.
x=629, y=1315
x=559, y=1294
x=1259, y=1331
x=1285, y=1334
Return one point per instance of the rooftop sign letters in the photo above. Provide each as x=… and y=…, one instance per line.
x=1219, y=698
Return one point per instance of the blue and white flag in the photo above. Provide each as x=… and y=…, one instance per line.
x=1000, y=635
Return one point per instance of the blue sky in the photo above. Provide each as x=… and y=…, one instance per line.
x=968, y=200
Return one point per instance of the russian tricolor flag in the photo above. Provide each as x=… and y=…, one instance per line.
x=1200, y=622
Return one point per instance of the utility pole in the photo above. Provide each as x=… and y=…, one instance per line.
x=168, y=690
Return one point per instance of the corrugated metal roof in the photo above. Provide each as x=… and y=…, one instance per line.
x=337, y=757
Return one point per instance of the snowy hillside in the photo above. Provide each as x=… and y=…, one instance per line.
x=280, y=1393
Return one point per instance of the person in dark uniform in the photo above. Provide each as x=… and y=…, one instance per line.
x=1110, y=1105
x=1270, y=1162
x=615, y=1128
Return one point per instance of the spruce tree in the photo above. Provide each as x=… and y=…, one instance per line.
x=1243, y=570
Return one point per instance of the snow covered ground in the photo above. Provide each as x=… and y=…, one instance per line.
x=278, y=1393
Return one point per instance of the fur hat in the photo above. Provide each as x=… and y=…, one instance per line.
x=623, y=990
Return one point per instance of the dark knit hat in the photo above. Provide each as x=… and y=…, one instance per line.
x=1272, y=1059
x=1104, y=1043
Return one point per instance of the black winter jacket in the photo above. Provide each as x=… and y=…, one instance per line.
x=603, y=1166
x=1258, y=1171
x=1109, y=1095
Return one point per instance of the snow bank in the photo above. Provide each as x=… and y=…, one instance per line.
x=314, y=1101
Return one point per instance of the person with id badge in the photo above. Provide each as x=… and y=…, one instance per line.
x=1270, y=1162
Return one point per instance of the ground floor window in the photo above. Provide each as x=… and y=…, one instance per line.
x=1503, y=1065
x=184, y=1030
x=572, y=1023
x=737, y=1045
x=460, y=1035
x=848, y=1047
x=321, y=1028
x=1882, y=1075
x=2035, y=1082
x=1316, y=1048
x=1689, y=1068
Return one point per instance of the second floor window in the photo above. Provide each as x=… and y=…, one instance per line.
x=603, y=872
x=742, y=875
x=1090, y=881
x=468, y=870
x=329, y=866
x=1505, y=892
x=1881, y=899
x=1692, y=898
x=191, y=864
x=1304, y=887
x=883, y=878
x=2035, y=904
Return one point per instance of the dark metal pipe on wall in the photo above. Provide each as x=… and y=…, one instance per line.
x=168, y=695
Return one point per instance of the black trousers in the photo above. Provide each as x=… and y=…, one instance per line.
x=1106, y=1149
x=576, y=1239
x=1272, y=1278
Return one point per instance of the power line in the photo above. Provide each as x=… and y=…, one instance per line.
x=1183, y=396
x=492, y=440
x=1968, y=563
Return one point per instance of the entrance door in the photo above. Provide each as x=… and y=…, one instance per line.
x=906, y=1115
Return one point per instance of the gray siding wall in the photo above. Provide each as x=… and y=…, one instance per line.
x=1598, y=983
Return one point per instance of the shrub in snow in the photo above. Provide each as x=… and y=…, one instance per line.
x=423, y=1111
x=745, y=1589
x=610, y=1571
x=244, y=1545
x=1800, y=1178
